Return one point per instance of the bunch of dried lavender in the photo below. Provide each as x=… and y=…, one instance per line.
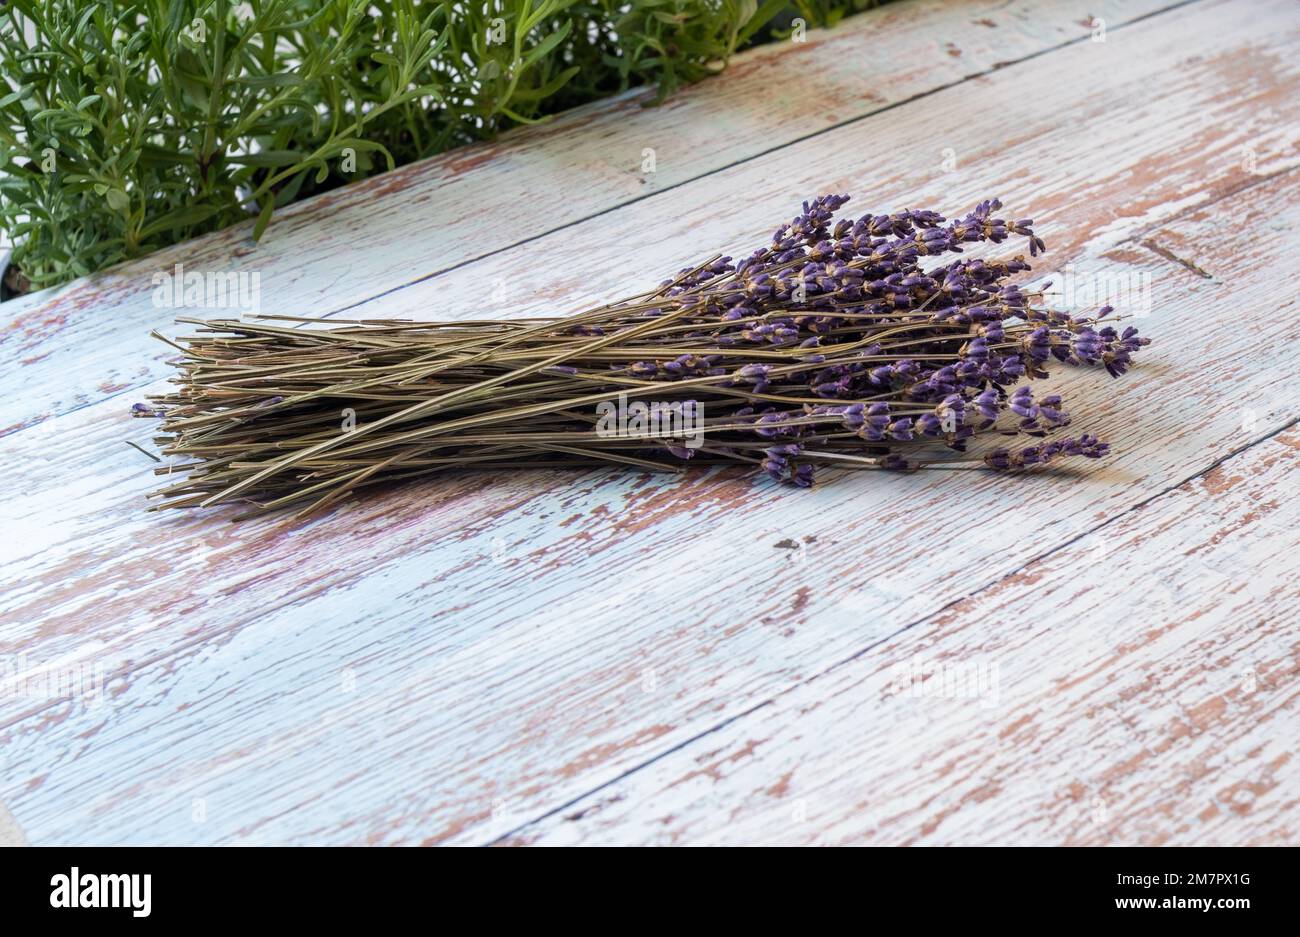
x=829, y=346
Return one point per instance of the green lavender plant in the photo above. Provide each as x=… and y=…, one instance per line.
x=127, y=126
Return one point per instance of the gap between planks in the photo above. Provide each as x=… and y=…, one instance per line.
x=125, y=384
x=858, y=655
x=1167, y=221
x=1139, y=238
x=1232, y=188
x=1146, y=712
x=811, y=135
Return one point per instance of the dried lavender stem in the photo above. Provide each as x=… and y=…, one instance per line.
x=832, y=345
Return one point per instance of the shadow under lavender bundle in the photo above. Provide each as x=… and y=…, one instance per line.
x=830, y=346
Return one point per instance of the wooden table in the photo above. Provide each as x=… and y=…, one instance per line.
x=1104, y=655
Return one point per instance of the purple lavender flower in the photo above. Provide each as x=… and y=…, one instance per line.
x=998, y=459
x=755, y=374
x=1038, y=344
x=989, y=404
x=901, y=429
x=1087, y=345
x=928, y=424
x=1022, y=403
x=1049, y=409
x=857, y=312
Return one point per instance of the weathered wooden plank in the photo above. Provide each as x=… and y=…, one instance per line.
x=10, y=833
x=81, y=517
x=86, y=342
x=1236, y=121
x=408, y=683
x=1136, y=686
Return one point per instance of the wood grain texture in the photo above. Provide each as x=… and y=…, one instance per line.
x=1140, y=685
x=97, y=531
x=472, y=679
x=10, y=833
x=88, y=341
x=449, y=662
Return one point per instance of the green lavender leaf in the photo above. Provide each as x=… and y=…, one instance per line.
x=160, y=133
